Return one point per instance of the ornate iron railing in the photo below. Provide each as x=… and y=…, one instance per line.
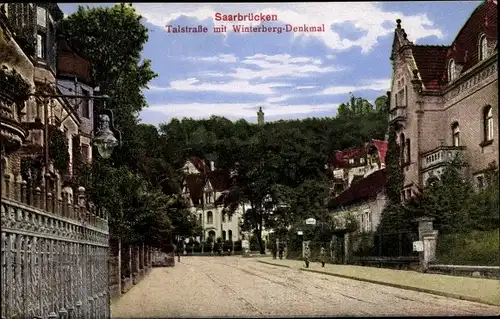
x=54, y=261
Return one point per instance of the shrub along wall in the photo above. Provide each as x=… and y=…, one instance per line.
x=475, y=248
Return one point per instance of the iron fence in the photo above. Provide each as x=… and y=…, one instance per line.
x=54, y=257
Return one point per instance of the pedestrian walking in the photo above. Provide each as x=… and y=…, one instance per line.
x=281, y=250
x=178, y=251
x=322, y=256
x=307, y=254
x=275, y=252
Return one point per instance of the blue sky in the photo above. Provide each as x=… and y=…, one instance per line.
x=290, y=75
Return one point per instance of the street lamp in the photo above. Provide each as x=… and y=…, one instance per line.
x=104, y=140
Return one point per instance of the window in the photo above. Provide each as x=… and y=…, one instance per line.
x=229, y=217
x=480, y=181
x=408, y=151
x=451, y=71
x=230, y=235
x=41, y=17
x=351, y=161
x=402, y=148
x=456, y=134
x=223, y=217
x=483, y=48
x=210, y=218
x=86, y=105
x=200, y=216
x=223, y=235
x=41, y=45
x=488, y=123
x=85, y=152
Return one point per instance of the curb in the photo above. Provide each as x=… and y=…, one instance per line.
x=429, y=291
x=268, y=263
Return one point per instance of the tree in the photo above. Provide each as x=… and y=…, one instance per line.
x=112, y=40
x=395, y=176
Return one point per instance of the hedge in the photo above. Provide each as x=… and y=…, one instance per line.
x=478, y=248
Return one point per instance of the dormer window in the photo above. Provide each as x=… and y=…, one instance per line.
x=483, y=48
x=451, y=71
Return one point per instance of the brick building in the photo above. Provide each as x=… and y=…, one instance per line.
x=444, y=100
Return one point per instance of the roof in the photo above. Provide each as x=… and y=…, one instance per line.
x=199, y=164
x=70, y=63
x=195, y=183
x=432, y=60
x=341, y=158
x=219, y=179
x=431, y=64
x=363, y=189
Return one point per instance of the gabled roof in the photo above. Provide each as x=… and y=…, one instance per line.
x=361, y=190
x=199, y=164
x=219, y=179
x=432, y=60
x=431, y=64
x=195, y=184
x=341, y=158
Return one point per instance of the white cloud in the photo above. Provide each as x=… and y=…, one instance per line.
x=237, y=86
x=235, y=110
x=370, y=85
x=366, y=17
x=305, y=87
x=221, y=58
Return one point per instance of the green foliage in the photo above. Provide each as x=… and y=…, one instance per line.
x=395, y=177
x=58, y=149
x=472, y=248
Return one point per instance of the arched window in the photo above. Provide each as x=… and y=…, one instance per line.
x=455, y=129
x=223, y=235
x=483, y=48
x=210, y=218
x=230, y=235
x=488, y=123
x=223, y=217
x=451, y=71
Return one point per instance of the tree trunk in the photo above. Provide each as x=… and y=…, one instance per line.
x=259, y=232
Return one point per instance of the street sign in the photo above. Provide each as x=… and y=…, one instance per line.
x=418, y=246
x=311, y=221
x=245, y=244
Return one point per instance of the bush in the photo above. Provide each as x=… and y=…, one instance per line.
x=237, y=245
x=478, y=248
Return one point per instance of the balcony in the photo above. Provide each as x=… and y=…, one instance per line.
x=16, y=81
x=397, y=116
x=440, y=156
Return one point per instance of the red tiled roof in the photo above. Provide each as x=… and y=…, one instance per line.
x=341, y=158
x=432, y=60
x=199, y=164
x=366, y=188
x=69, y=62
x=195, y=183
x=431, y=64
x=219, y=179
x=466, y=43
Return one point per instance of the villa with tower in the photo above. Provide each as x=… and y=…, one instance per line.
x=444, y=100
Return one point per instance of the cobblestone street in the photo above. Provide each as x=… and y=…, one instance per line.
x=243, y=287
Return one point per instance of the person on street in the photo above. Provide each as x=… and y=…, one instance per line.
x=281, y=250
x=274, y=251
x=178, y=251
x=322, y=256
x=307, y=254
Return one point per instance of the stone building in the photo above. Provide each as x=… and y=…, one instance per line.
x=204, y=188
x=359, y=178
x=444, y=100
x=33, y=29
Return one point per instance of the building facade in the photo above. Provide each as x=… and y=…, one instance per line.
x=444, y=100
x=204, y=187
x=33, y=29
x=358, y=190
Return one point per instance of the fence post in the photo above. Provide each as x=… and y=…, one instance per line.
x=428, y=236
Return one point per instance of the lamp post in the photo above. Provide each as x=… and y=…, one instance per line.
x=104, y=139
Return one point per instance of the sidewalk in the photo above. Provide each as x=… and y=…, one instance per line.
x=472, y=289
